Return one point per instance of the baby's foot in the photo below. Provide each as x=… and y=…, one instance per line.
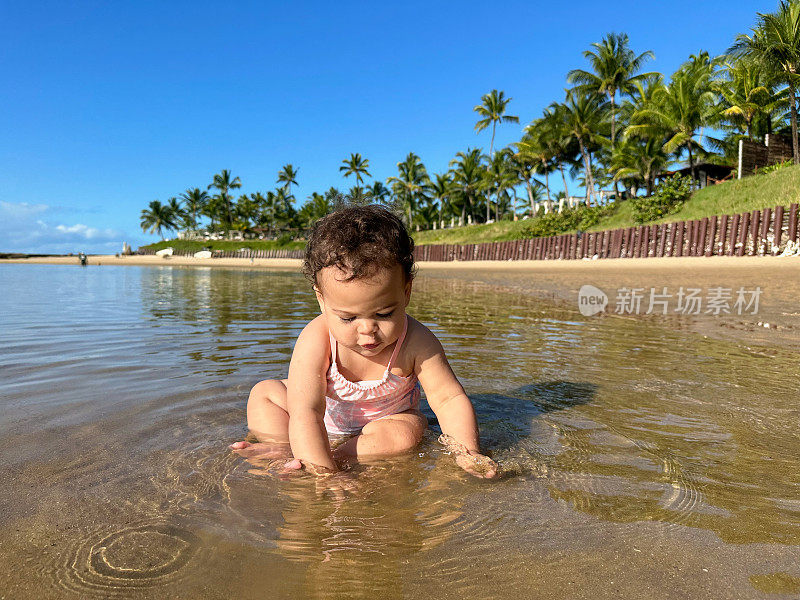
x=473, y=463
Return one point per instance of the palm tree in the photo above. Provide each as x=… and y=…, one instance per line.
x=748, y=91
x=316, y=207
x=524, y=165
x=678, y=111
x=638, y=161
x=499, y=177
x=335, y=198
x=288, y=176
x=378, y=192
x=584, y=118
x=467, y=171
x=224, y=183
x=533, y=148
x=195, y=201
x=248, y=209
x=615, y=69
x=492, y=111
x=775, y=43
x=441, y=188
x=157, y=217
x=357, y=166
x=557, y=137
x=411, y=185
x=357, y=196
x=270, y=209
x=176, y=210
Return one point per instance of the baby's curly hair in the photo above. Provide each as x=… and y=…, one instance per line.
x=359, y=240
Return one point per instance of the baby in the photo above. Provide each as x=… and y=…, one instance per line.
x=356, y=369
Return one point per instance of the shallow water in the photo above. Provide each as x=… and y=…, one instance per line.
x=644, y=457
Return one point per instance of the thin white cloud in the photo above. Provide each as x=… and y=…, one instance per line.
x=85, y=232
x=24, y=228
x=20, y=210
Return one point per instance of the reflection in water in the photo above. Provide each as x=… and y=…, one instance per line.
x=672, y=449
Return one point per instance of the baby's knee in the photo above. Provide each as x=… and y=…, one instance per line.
x=402, y=435
x=406, y=439
x=269, y=390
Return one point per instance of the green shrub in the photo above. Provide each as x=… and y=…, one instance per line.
x=570, y=219
x=668, y=197
x=284, y=239
x=775, y=167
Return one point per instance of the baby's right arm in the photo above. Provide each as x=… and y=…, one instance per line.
x=305, y=398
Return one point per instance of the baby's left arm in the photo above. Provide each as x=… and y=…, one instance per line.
x=450, y=404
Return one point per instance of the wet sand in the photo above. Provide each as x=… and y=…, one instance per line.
x=670, y=264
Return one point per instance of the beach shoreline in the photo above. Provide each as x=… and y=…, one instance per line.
x=672, y=264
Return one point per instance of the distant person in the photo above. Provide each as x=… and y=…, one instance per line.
x=82, y=259
x=355, y=373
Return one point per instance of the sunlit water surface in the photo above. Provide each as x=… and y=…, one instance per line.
x=641, y=458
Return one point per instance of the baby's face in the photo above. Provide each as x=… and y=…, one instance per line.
x=364, y=315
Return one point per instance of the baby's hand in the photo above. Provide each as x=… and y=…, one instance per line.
x=339, y=484
x=472, y=462
x=264, y=456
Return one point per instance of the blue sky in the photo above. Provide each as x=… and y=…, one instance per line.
x=109, y=105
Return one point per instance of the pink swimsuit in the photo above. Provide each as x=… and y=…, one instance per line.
x=351, y=405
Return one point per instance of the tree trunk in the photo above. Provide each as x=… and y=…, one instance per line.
x=546, y=180
x=612, y=96
x=530, y=196
x=793, y=115
x=491, y=156
x=691, y=163
x=587, y=171
x=564, y=179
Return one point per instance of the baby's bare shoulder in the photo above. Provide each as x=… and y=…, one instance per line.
x=422, y=342
x=314, y=341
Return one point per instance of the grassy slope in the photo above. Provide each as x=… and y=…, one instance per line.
x=781, y=187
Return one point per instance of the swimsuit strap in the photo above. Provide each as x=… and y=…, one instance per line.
x=398, y=344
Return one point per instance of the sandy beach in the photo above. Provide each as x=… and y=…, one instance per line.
x=669, y=264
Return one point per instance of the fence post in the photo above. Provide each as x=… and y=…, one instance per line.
x=701, y=250
x=734, y=234
x=630, y=240
x=680, y=227
x=743, y=231
x=653, y=239
x=644, y=239
x=778, y=229
x=755, y=222
x=791, y=233
x=723, y=235
x=712, y=236
x=765, y=223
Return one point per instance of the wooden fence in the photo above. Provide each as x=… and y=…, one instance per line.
x=759, y=232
